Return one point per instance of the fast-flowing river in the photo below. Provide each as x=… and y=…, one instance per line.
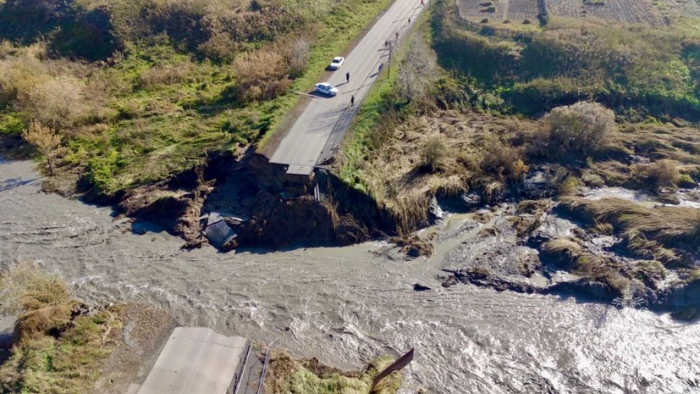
x=347, y=305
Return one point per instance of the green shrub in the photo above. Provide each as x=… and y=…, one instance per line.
x=569, y=186
x=686, y=182
x=577, y=130
x=12, y=124
x=101, y=171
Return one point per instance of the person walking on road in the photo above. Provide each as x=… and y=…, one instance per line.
x=422, y=3
x=381, y=65
x=352, y=100
x=347, y=77
x=409, y=20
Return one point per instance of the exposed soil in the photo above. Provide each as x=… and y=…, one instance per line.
x=257, y=201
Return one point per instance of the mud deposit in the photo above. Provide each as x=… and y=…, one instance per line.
x=347, y=305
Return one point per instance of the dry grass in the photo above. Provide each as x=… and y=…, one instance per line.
x=58, y=347
x=165, y=75
x=675, y=152
x=562, y=246
x=681, y=144
x=472, y=149
x=262, y=75
x=413, y=246
x=569, y=254
x=662, y=173
x=651, y=230
x=533, y=207
x=289, y=376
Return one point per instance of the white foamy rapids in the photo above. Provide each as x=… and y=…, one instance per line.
x=346, y=306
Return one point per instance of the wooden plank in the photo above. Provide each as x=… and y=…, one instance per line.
x=397, y=365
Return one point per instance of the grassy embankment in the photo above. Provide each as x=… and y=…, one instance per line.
x=55, y=350
x=310, y=377
x=144, y=90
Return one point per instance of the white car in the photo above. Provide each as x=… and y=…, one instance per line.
x=337, y=62
x=326, y=88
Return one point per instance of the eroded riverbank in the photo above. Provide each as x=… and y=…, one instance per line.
x=347, y=305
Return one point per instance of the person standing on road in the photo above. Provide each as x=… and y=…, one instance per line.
x=409, y=20
x=352, y=100
x=381, y=65
x=347, y=77
x=422, y=3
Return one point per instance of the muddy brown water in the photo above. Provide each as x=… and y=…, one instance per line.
x=347, y=305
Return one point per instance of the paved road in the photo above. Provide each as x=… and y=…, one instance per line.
x=308, y=138
x=196, y=360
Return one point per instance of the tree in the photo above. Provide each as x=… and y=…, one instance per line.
x=417, y=71
x=45, y=139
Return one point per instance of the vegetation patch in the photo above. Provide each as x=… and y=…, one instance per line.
x=310, y=377
x=570, y=61
x=412, y=246
x=667, y=234
x=60, y=346
x=139, y=91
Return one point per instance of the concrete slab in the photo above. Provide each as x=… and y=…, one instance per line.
x=196, y=360
x=294, y=169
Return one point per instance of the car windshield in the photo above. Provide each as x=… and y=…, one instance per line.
x=337, y=60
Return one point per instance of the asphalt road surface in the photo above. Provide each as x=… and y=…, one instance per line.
x=318, y=129
x=196, y=360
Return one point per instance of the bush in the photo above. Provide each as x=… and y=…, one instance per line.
x=686, y=182
x=502, y=162
x=262, y=75
x=58, y=102
x=569, y=186
x=18, y=76
x=578, y=129
x=662, y=173
x=433, y=154
x=417, y=71
x=219, y=48
x=298, y=58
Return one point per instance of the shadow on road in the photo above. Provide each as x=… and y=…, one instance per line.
x=13, y=183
